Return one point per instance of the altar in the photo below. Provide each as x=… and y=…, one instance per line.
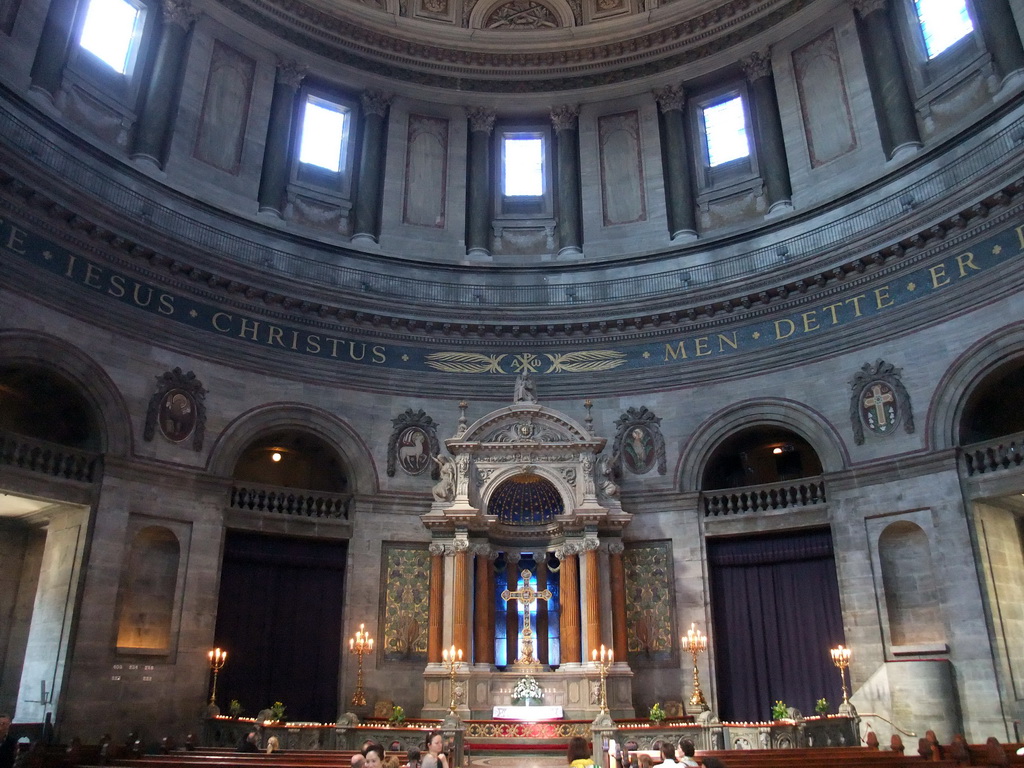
x=527, y=714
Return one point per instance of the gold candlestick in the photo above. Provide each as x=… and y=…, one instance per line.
x=696, y=642
x=217, y=658
x=452, y=659
x=604, y=661
x=361, y=644
x=841, y=658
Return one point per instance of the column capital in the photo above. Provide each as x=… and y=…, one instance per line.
x=616, y=547
x=179, y=12
x=437, y=548
x=867, y=7
x=591, y=544
x=291, y=73
x=565, y=117
x=757, y=65
x=480, y=119
x=376, y=102
x=670, y=97
x=568, y=549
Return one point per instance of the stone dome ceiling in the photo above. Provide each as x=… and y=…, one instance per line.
x=472, y=46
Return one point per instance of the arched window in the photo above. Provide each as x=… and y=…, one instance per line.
x=758, y=456
x=996, y=406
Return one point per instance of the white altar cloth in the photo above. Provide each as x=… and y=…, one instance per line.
x=529, y=714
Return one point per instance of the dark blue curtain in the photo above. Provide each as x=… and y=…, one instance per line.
x=279, y=619
x=776, y=613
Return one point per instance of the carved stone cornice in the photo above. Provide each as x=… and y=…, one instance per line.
x=757, y=65
x=480, y=119
x=376, y=102
x=597, y=61
x=565, y=117
x=670, y=97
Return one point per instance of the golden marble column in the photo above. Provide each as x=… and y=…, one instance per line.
x=617, y=577
x=593, y=604
x=435, y=639
x=460, y=599
x=483, y=618
x=570, y=629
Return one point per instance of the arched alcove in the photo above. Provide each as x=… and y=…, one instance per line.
x=908, y=580
x=146, y=599
x=995, y=407
x=292, y=458
x=760, y=455
x=44, y=405
x=525, y=499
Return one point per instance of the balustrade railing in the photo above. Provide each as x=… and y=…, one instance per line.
x=764, y=498
x=991, y=455
x=290, y=501
x=48, y=458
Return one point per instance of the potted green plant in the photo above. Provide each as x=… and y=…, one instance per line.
x=821, y=707
x=656, y=714
x=779, y=710
x=277, y=712
x=235, y=708
x=397, y=715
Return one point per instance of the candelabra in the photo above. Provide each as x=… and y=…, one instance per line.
x=696, y=642
x=603, y=661
x=217, y=658
x=841, y=658
x=361, y=644
x=452, y=659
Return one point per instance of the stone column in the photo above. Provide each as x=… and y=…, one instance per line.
x=371, y=166
x=541, y=642
x=570, y=629
x=592, y=608
x=54, y=45
x=435, y=639
x=483, y=620
x=771, y=145
x=617, y=582
x=682, y=217
x=153, y=132
x=512, y=613
x=276, y=156
x=478, y=191
x=894, y=109
x=460, y=600
x=565, y=120
x=999, y=31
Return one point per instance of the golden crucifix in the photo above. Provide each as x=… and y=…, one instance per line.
x=527, y=595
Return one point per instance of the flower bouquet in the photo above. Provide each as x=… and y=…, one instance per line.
x=527, y=691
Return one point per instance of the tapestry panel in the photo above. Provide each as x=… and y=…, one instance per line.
x=405, y=601
x=649, y=603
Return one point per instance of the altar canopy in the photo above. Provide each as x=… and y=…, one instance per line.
x=527, y=509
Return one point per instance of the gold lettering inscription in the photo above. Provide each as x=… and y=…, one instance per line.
x=117, y=287
x=784, y=323
x=882, y=298
x=730, y=340
x=678, y=352
x=965, y=260
x=249, y=326
x=16, y=240
x=215, y=322
x=938, y=273
x=701, y=345
x=810, y=321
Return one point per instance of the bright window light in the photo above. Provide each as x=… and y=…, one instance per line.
x=109, y=31
x=943, y=23
x=524, y=166
x=323, y=131
x=725, y=127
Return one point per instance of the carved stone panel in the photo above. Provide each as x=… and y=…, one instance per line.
x=178, y=409
x=639, y=444
x=824, y=104
x=879, y=402
x=623, y=199
x=225, y=110
x=426, y=172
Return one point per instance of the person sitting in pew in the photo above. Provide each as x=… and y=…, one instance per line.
x=249, y=743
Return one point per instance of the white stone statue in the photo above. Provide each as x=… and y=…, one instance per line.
x=526, y=389
x=444, y=489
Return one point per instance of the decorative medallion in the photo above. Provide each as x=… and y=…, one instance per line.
x=879, y=401
x=177, y=409
x=413, y=444
x=639, y=442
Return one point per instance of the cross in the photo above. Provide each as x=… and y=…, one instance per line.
x=527, y=596
x=877, y=400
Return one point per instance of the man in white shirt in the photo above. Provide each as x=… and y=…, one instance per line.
x=687, y=749
x=668, y=755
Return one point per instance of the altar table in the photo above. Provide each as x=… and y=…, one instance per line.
x=529, y=714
